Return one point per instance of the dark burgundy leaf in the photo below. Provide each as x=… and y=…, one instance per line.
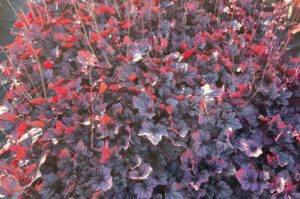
x=153, y=132
x=101, y=180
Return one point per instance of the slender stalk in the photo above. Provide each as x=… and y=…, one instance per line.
x=99, y=35
x=13, y=9
x=29, y=77
x=268, y=62
x=30, y=45
x=31, y=10
x=159, y=16
x=37, y=59
x=39, y=68
x=90, y=79
x=290, y=79
x=24, y=92
x=26, y=19
x=46, y=9
x=40, y=14
x=128, y=26
x=117, y=8
x=215, y=9
x=263, y=76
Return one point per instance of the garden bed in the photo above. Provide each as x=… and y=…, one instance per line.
x=151, y=99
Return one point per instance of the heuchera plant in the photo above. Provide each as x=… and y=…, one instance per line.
x=151, y=99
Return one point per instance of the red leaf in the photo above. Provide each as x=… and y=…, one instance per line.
x=18, y=24
x=72, y=39
x=155, y=9
x=133, y=89
x=131, y=78
x=65, y=21
x=191, y=6
x=61, y=90
x=106, y=153
x=8, y=96
x=20, y=152
x=290, y=187
x=186, y=154
x=164, y=43
x=275, y=119
x=10, y=187
x=243, y=67
x=241, y=87
x=203, y=57
x=180, y=97
x=70, y=129
x=298, y=137
x=94, y=36
x=38, y=101
x=183, y=46
x=59, y=126
x=103, y=9
x=103, y=88
x=170, y=109
x=295, y=60
x=35, y=67
x=68, y=45
x=19, y=74
x=217, y=67
x=64, y=153
x=115, y=88
x=86, y=18
x=21, y=129
x=258, y=49
x=105, y=33
x=125, y=24
x=236, y=95
x=227, y=63
x=123, y=58
x=48, y=64
x=106, y=119
x=271, y=159
x=239, y=103
x=54, y=98
x=8, y=117
x=162, y=106
x=97, y=194
x=103, y=67
x=188, y=53
x=30, y=16
x=37, y=123
x=281, y=125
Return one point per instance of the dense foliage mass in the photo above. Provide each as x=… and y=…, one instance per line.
x=151, y=99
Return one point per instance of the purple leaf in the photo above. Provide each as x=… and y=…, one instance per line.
x=251, y=148
x=144, y=190
x=247, y=177
x=101, y=180
x=153, y=132
x=141, y=173
x=144, y=104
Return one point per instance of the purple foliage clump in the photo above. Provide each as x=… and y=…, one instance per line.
x=151, y=99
